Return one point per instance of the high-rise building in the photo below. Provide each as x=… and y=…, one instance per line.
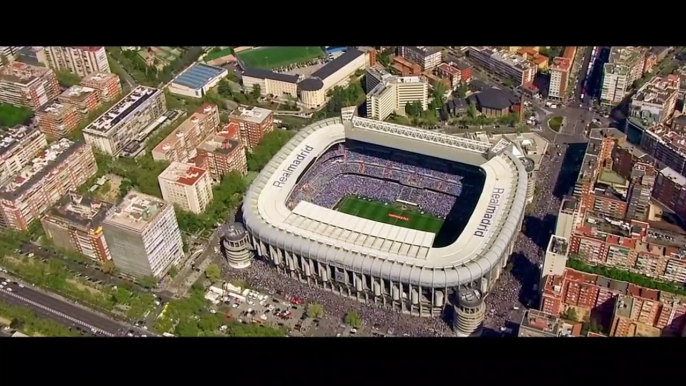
x=187, y=186
x=670, y=190
x=181, y=143
x=625, y=65
x=538, y=324
x=74, y=223
x=427, y=57
x=143, y=236
x=27, y=86
x=18, y=146
x=559, y=77
x=393, y=93
x=126, y=120
x=56, y=119
x=59, y=169
x=81, y=61
x=253, y=124
x=222, y=153
x=107, y=86
x=655, y=102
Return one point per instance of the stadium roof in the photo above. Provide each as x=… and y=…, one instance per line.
x=198, y=75
x=336, y=64
x=266, y=74
x=386, y=250
x=311, y=84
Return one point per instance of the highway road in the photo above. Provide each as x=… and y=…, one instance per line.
x=63, y=311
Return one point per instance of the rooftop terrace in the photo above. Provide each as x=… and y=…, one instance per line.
x=184, y=174
x=9, y=138
x=81, y=210
x=254, y=114
x=120, y=111
x=21, y=73
x=135, y=211
x=76, y=93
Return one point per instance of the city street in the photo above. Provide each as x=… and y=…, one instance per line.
x=62, y=310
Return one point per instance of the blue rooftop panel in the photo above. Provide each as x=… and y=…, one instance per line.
x=198, y=76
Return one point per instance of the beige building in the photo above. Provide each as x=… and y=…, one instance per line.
x=559, y=77
x=107, y=86
x=181, y=143
x=29, y=86
x=81, y=61
x=187, y=186
x=504, y=64
x=126, y=120
x=18, y=146
x=143, y=236
x=313, y=90
x=59, y=169
x=394, y=92
x=270, y=83
x=427, y=57
x=654, y=103
x=223, y=153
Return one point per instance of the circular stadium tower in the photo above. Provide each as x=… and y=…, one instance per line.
x=470, y=312
x=388, y=214
x=311, y=92
x=529, y=166
x=236, y=246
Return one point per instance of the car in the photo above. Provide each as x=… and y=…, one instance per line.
x=2, y=286
x=235, y=305
x=4, y=283
x=9, y=289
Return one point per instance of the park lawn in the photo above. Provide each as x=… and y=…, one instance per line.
x=11, y=116
x=556, y=123
x=218, y=54
x=377, y=211
x=272, y=57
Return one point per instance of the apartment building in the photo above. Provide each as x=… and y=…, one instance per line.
x=74, y=223
x=270, y=82
x=453, y=74
x=18, y=146
x=622, y=308
x=253, y=123
x=655, y=101
x=81, y=61
x=555, y=260
x=10, y=52
x=84, y=99
x=187, y=186
x=27, y=86
x=625, y=65
x=670, y=190
x=538, y=324
x=405, y=67
x=106, y=85
x=223, y=153
x=427, y=57
x=181, y=143
x=667, y=145
x=126, y=120
x=532, y=55
x=143, y=236
x=56, y=119
x=394, y=92
x=504, y=64
x=59, y=169
x=559, y=78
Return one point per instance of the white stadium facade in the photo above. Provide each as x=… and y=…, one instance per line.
x=376, y=262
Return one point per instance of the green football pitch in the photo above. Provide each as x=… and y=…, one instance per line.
x=394, y=214
x=271, y=57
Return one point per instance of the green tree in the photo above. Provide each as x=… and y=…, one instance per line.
x=472, y=112
x=213, y=273
x=256, y=91
x=461, y=90
x=414, y=109
x=11, y=116
x=109, y=267
x=353, y=319
x=315, y=310
x=438, y=94
x=148, y=282
x=571, y=315
x=67, y=79
x=173, y=271
x=3, y=60
x=224, y=89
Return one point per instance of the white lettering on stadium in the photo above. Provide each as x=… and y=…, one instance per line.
x=493, y=205
x=288, y=172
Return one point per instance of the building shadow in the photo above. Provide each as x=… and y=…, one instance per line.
x=571, y=164
x=539, y=230
x=526, y=273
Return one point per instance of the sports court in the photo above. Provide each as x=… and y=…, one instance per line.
x=398, y=214
x=271, y=57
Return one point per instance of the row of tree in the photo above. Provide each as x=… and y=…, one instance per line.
x=27, y=321
x=575, y=262
x=11, y=116
x=270, y=144
x=340, y=97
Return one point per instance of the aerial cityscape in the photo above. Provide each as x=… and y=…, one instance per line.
x=333, y=191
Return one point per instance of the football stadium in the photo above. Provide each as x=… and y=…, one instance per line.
x=387, y=213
